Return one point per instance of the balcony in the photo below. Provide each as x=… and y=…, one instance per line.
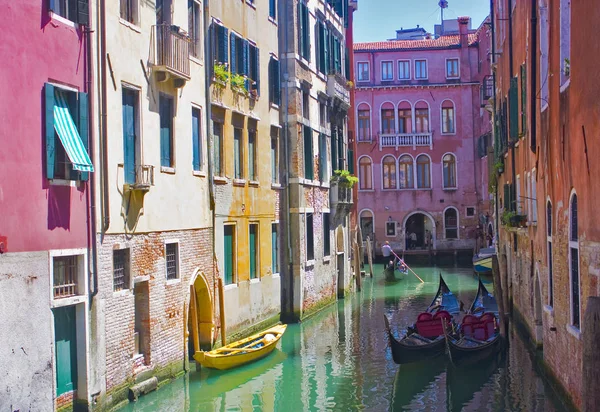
x=170, y=54
x=487, y=90
x=144, y=179
x=413, y=140
x=340, y=202
x=337, y=89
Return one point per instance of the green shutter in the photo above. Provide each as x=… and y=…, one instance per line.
x=84, y=129
x=322, y=47
x=274, y=250
x=272, y=80
x=322, y=157
x=165, y=113
x=334, y=160
x=196, y=138
x=50, y=140
x=326, y=39
x=308, y=154
x=351, y=161
x=228, y=254
x=253, y=228
x=523, y=98
x=513, y=94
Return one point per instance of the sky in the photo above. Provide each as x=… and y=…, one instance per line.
x=378, y=20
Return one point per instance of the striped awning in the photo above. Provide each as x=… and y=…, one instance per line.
x=69, y=136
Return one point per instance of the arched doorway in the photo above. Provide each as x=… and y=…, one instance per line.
x=200, y=319
x=422, y=225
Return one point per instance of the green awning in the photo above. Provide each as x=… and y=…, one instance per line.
x=69, y=136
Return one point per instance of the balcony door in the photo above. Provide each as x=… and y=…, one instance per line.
x=163, y=12
x=130, y=135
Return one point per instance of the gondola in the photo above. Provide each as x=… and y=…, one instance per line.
x=479, y=336
x=392, y=272
x=426, y=338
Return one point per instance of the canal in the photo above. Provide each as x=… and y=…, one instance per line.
x=339, y=360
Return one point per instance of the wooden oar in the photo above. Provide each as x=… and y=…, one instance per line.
x=412, y=271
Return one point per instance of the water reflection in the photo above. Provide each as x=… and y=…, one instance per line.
x=339, y=360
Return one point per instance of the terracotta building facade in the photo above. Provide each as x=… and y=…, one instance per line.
x=419, y=119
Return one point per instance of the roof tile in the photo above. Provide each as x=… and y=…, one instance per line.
x=398, y=45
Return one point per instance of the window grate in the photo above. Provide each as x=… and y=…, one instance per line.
x=172, y=269
x=120, y=269
x=65, y=276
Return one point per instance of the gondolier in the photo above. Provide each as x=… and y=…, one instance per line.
x=386, y=250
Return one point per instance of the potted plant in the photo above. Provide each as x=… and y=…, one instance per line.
x=499, y=167
x=507, y=218
x=221, y=75
x=343, y=178
x=238, y=84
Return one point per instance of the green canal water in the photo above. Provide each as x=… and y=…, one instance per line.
x=339, y=360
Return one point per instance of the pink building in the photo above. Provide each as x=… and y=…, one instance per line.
x=419, y=119
x=44, y=238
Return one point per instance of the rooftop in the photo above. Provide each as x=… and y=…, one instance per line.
x=443, y=42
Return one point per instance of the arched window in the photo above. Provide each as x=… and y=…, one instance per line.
x=423, y=175
x=366, y=224
x=448, y=117
x=574, y=262
x=449, y=171
x=364, y=123
x=421, y=117
x=365, y=173
x=404, y=118
x=451, y=223
x=405, y=172
x=389, y=172
x=388, y=121
x=549, y=247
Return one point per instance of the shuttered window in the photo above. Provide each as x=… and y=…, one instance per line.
x=303, y=31
x=322, y=45
x=74, y=10
x=523, y=98
x=513, y=107
x=273, y=9
x=274, y=82
x=196, y=139
x=254, y=68
x=310, y=237
x=322, y=157
x=275, y=248
x=220, y=43
x=308, y=154
x=166, y=131
x=229, y=254
x=326, y=235
x=253, y=250
x=238, y=154
x=130, y=133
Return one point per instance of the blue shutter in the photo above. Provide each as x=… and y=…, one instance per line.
x=52, y=5
x=277, y=83
x=273, y=9
x=84, y=129
x=50, y=140
x=196, y=138
x=233, y=40
x=272, y=80
x=246, y=62
x=129, y=135
x=257, y=70
x=223, y=51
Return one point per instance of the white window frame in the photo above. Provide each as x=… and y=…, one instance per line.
x=467, y=211
x=457, y=68
x=257, y=251
x=358, y=72
x=457, y=222
x=391, y=64
x=170, y=242
x=574, y=244
x=370, y=119
x=82, y=279
x=534, y=211
x=359, y=174
x=453, y=132
x=383, y=188
x=409, y=69
x=426, y=69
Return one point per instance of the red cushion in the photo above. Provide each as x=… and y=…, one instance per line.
x=424, y=316
x=467, y=329
x=479, y=332
x=430, y=328
x=470, y=319
x=443, y=314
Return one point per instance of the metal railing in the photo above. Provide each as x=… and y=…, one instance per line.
x=406, y=140
x=144, y=176
x=487, y=89
x=171, y=50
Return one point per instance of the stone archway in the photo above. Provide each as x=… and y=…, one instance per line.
x=200, y=319
x=419, y=222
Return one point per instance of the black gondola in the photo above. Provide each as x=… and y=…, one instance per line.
x=479, y=337
x=426, y=339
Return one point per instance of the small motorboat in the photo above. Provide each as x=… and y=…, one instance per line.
x=426, y=338
x=243, y=351
x=482, y=262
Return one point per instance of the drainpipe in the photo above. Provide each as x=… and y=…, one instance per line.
x=93, y=271
x=533, y=65
x=104, y=135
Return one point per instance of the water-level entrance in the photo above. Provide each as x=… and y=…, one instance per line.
x=339, y=360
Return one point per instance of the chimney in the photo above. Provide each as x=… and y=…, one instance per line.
x=463, y=29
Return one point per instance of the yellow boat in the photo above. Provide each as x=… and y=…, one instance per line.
x=243, y=351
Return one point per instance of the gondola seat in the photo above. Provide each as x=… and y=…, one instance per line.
x=429, y=326
x=479, y=328
x=443, y=314
x=468, y=325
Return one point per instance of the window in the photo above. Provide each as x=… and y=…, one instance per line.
x=448, y=117
x=65, y=8
x=197, y=161
x=253, y=250
x=252, y=169
x=218, y=149
x=172, y=257
x=65, y=276
x=275, y=247
x=326, y=235
x=273, y=9
x=274, y=160
x=167, y=158
x=66, y=137
x=390, y=228
x=238, y=153
x=322, y=36
x=533, y=196
x=323, y=176
x=274, y=82
x=364, y=123
x=306, y=104
x=420, y=69
x=366, y=224
x=365, y=177
x=406, y=172
x=363, y=72
x=308, y=154
x=194, y=28
x=229, y=254
x=544, y=52
x=322, y=114
x=470, y=211
x=404, y=118
x=423, y=175
x=240, y=50
x=565, y=40
x=388, y=121
x=549, y=248
x=452, y=69
x=449, y=171
x=387, y=71
x=310, y=240
x=451, y=223
x=421, y=117
x=120, y=269
x=128, y=10
x=303, y=31
x=574, y=262
x=221, y=42
x=519, y=206
x=389, y=172
x=253, y=70
x=131, y=133
x=336, y=51
x=523, y=98
x=528, y=195
x=404, y=69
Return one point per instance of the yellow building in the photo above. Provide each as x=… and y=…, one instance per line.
x=244, y=113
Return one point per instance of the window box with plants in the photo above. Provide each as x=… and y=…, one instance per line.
x=342, y=183
x=238, y=84
x=499, y=167
x=220, y=75
x=512, y=219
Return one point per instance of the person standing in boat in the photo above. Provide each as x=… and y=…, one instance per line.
x=386, y=250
